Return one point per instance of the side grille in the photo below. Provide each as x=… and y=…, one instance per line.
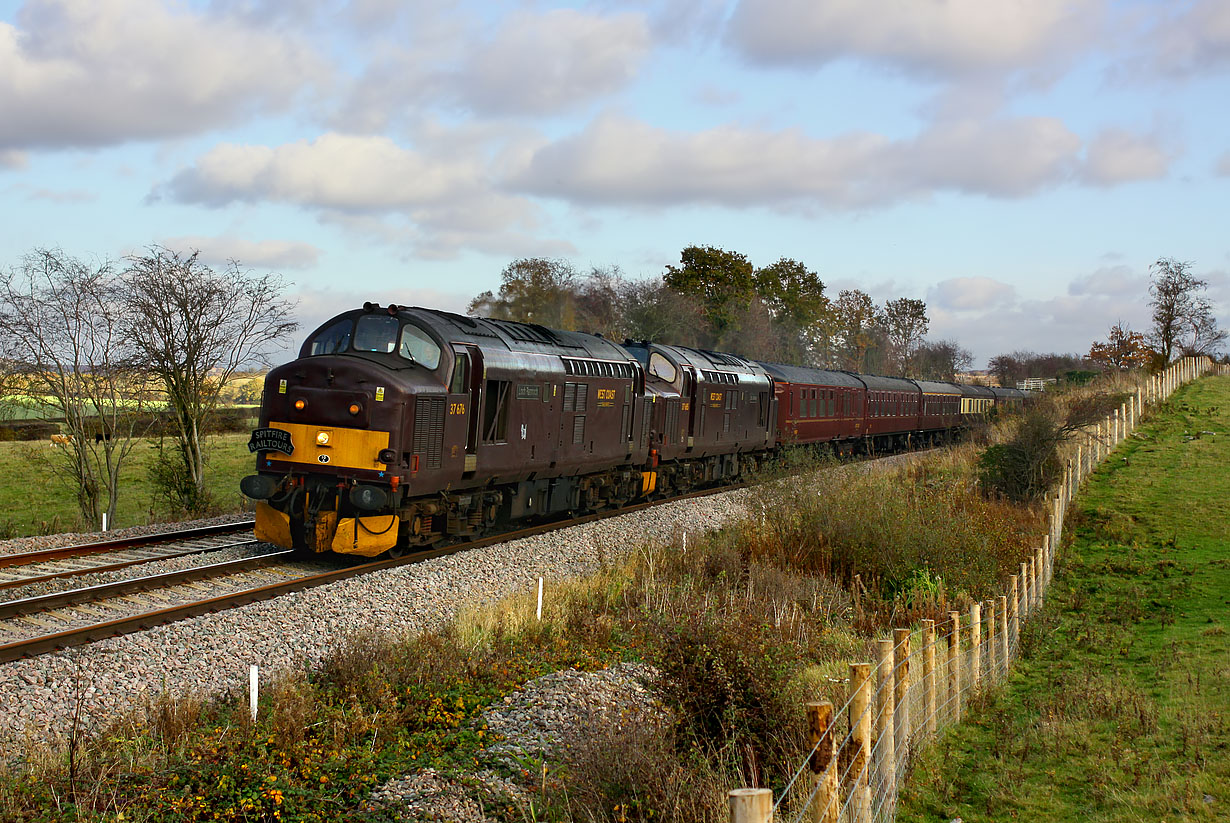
x=429, y=429
x=578, y=430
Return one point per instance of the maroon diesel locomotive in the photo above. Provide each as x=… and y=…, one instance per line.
x=398, y=427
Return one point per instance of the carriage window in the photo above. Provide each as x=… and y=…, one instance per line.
x=375, y=332
x=659, y=366
x=417, y=346
x=332, y=340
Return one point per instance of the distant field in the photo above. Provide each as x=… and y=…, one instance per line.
x=34, y=501
x=1119, y=709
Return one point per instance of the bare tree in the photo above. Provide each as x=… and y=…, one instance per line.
x=192, y=328
x=1182, y=316
x=59, y=332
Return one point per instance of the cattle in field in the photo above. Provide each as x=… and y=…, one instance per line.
x=61, y=439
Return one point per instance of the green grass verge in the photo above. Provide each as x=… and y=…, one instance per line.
x=33, y=500
x=1119, y=709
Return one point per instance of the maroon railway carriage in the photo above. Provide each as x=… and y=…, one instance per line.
x=941, y=410
x=712, y=414
x=398, y=426
x=817, y=405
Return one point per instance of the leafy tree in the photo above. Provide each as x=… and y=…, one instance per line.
x=905, y=323
x=1182, y=316
x=855, y=321
x=60, y=321
x=533, y=290
x=721, y=280
x=941, y=360
x=192, y=328
x=653, y=311
x=794, y=297
x=1123, y=349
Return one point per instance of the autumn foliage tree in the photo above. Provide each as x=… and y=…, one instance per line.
x=1124, y=349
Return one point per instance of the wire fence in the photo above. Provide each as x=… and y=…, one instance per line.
x=924, y=677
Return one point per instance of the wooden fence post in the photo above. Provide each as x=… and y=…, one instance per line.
x=954, y=667
x=1003, y=632
x=992, y=663
x=860, y=738
x=901, y=692
x=751, y=805
x=1024, y=589
x=929, y=676
x=975, y=647
x=826, y=803
x=1014, y=609
x=886, y=756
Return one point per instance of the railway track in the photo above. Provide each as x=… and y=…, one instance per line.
x=38, y=625
x=40, y=566
x=43, y=624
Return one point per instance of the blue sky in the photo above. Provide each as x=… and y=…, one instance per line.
x=1017, y=164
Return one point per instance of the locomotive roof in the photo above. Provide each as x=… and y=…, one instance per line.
x=487, y=333
x=818, y=377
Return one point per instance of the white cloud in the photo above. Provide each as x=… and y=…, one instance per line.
x=371, y=186
x=96, y=72
x=1190, y=38
x=1223, y=165
x=550, y=62
x=277, y=254
x=948, y=37
x=1116, y=156
x=1110, y=281
x=618, y=160
x=334, y=171
x=970, y=294
x=10, y=159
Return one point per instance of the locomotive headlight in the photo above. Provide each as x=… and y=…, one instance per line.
x=369, y=498
x=386, y=456
x=300, y=404
x=322, y=438
x=355, y=408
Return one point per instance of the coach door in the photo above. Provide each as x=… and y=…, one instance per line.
x=468, y=380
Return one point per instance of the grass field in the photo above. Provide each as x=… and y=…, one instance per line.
x=1119, y=709
x=34, y=501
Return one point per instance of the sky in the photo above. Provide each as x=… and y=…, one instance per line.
x=1017, y=164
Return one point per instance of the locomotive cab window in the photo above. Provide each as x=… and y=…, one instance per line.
x=659, y=366
x=332, y=340
x=376, y=333
x=418, y=347
x=495, y=412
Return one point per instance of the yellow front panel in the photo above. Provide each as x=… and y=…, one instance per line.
x=272, y=526
x=347, y=448
x=366, y=536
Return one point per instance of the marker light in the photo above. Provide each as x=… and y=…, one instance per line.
x=354, y=408
x=300, y=404
x=322, y=438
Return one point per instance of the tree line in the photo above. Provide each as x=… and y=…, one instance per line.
x=104, y=343
x=717, y=299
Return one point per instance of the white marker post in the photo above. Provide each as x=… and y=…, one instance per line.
x=104, y=523
x=540, y=598
x=685, y=542
x=253, y=679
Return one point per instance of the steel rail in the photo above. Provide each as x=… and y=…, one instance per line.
x=103, y=591
x=63, y=552
x=68, y=638
x=109, y=567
